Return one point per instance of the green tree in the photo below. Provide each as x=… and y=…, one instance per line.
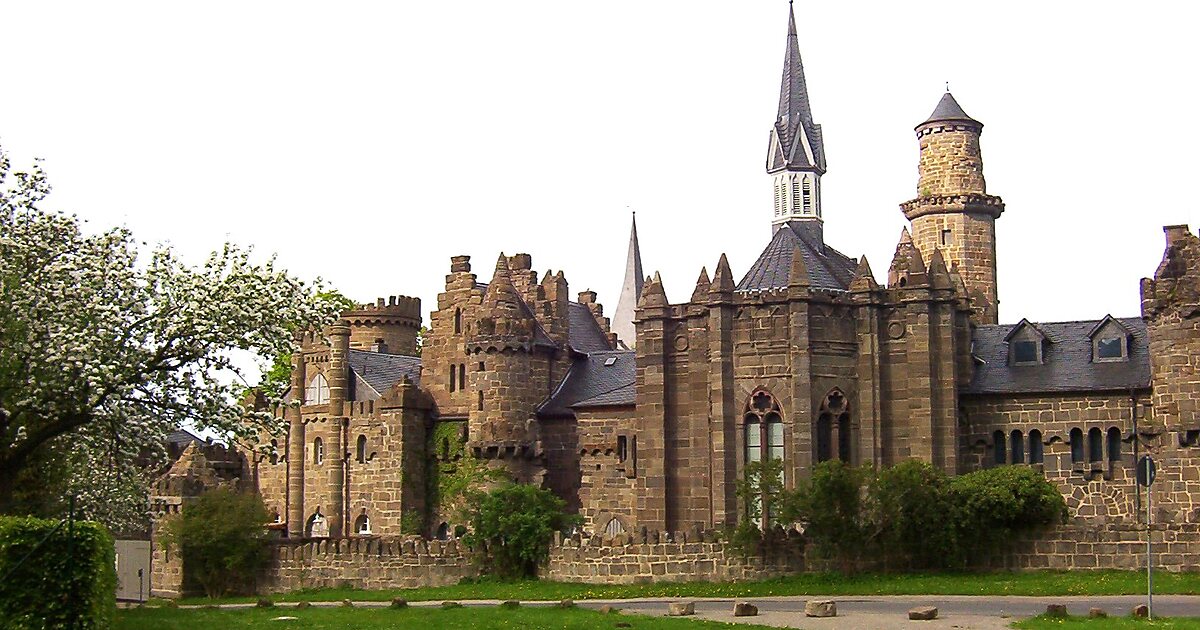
x=102, y=354
x=830, y=504
x=223, y=540
x=512, y=527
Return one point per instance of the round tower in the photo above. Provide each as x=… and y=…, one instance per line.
x=953, y=212
x=389, y=326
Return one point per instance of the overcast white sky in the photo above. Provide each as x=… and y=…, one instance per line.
x=368, y=142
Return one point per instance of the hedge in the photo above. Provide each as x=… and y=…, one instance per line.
x=62, y=585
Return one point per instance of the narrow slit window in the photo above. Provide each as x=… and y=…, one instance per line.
x=1000, y=455
x=453, y=376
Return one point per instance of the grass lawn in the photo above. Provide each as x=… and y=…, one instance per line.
x=525, y=618
x=1111, y=623
x=1042, y=583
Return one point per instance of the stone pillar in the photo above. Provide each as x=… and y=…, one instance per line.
x=339, y=350
x=295, y=450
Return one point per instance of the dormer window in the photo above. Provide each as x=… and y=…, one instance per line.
x=1025, y=353
x=1026, y=344
x=1110, y=341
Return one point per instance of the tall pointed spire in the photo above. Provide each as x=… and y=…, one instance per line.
x=796, y=154
x=631, y=291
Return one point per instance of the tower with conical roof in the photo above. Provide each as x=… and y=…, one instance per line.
x=796, y=153
x=952, y=211
x=631, y=292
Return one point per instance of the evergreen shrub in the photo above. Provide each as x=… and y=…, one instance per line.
x=66, y=583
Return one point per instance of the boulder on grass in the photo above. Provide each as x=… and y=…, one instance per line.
x=820, y=608
x=1056, y=610
x=1097, y=613
x=681, y=609
x=744, y=609
x=399, y=602
x=923, y=613
x=1141, y=610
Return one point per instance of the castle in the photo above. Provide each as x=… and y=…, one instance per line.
x=648, y=421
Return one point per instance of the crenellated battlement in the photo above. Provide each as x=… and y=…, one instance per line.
x=401, y=307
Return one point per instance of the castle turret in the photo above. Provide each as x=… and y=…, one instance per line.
x=389, y=326
x=953, y=211
x=796, y=153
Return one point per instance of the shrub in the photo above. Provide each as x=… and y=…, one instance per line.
x=996, y=502
x=222, y=539
x=913, y=516
x=64, y=584
x=830, y=504
x=512, y=527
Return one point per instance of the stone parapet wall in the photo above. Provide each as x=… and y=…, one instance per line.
x=662, y=557
x=1083, y=547
x=366, y=563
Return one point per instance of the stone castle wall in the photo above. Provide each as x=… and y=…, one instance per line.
x=367, y=563
x=1074, y=546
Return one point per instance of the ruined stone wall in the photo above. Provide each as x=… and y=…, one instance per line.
x=270, y=475
x=1101, y=489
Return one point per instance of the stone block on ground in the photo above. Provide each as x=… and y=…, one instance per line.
x=608, y=610
x=1056, y=610
x=1141, y=610
x=680, y=609
x=923, y=613
x=744, y=609
x=1097, y=613
x=820, y=608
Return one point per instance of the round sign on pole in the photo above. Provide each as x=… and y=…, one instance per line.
x=1146, y=470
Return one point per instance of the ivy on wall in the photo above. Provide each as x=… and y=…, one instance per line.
x=453, y=472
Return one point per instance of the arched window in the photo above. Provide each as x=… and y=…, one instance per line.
x=1036, y=454
x=1000, y=456
x=1114, y=444
x=453, y=376
x=1095, y=445
x=318, y=451
x=835, y=412
x=317, y=527
x=462, y=375
x=457, y=321
x=317, y=392
x=614, y=528
x=1077, y=455
x=1016, y=444
x=274, y=451
x=443, y=531
x=362, y=525
x=763, y=430
x=361, y=451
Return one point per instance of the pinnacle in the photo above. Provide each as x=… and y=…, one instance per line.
x=905, y=237
x=723, y=278
x=702, y=285
x=798, y=277
x=653, y=294
x=939, y=276
x=864, y=278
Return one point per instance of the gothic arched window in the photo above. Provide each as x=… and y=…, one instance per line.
x=317, y=392
x=834, y=414
x=362, y=525
x=763, y=428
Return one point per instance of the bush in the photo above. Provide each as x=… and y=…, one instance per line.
x=512, y=527
x=913, y=516
x=997, y=502
x=223, y=541
x=54, y=588
x=830, y=504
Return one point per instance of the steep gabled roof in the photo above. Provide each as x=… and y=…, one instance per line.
x=1105, y=322
x=1067, y=364
x=381, y=371
x=827, y=268
x=584, y=333
x=600, y=379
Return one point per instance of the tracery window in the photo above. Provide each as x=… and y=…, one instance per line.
x=834, y=413
x=763, y=430
x=317, y=392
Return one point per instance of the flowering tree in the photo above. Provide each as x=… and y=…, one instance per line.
x=102, y=355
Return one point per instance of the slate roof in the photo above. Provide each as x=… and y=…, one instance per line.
x=183, y=437
x=1067, y=361
x=948, y=109
x=827, y=268
x=585, y=333
x=591, y=383
x=794, y=115
x=380, y=371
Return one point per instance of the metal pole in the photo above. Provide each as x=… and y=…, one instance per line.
x=1149, y=564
